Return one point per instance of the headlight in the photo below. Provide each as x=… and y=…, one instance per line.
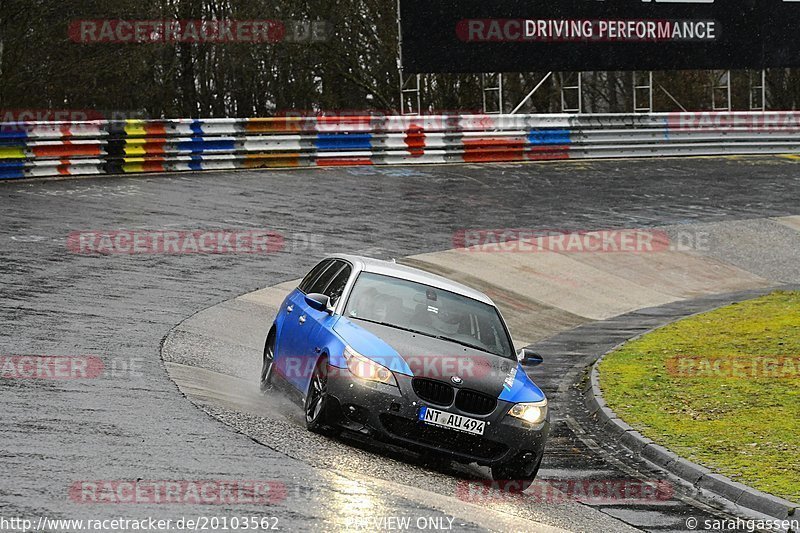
x=534, y=413
x=367, y=369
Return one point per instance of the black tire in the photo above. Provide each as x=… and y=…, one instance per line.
x=517, y=475
x=268, y=362
x=436, y=460
x=317, y=403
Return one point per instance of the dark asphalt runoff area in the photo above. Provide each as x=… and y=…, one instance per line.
x=131, y=423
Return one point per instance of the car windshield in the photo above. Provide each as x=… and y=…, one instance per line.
x=430, y=311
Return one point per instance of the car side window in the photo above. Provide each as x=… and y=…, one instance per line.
x=313, y=275
x=318, y=285
x=336, y=287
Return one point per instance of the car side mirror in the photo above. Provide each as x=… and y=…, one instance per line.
x=528, y=357
x=320, y=302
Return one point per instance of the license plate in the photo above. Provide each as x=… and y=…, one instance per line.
x=451, y=421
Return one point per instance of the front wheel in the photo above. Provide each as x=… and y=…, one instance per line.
x=516, y=475
x=436, y=460
x=317, y=400
x=268, y=362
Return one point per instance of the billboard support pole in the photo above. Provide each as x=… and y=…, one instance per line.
x=758, y=88
x=646, y=86
x=496, y=89
x=721, y=84
x=410, y=101
x=414, y=91
x=578, y=87
x=528, y=97
x=677, y=103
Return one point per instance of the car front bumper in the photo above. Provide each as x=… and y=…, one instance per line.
x=391, y=414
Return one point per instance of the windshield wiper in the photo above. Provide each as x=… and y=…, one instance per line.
x=462, y=343
x=392, y=326
x=433, y=336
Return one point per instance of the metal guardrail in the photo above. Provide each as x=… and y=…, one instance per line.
x=33, y=149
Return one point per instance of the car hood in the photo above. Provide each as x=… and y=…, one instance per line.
x=418, y=355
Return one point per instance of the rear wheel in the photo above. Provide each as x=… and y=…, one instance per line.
x=268, y=362
x=317, y=400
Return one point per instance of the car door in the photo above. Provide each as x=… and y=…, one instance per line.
x=315, y=324
x=321, y=323
x=292, y=337
x=304, y=323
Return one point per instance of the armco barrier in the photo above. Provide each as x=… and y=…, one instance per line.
x=33, y=149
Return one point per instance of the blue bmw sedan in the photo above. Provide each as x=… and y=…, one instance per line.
x=411, y=358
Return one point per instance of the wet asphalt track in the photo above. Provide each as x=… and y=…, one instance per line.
x=136, y=425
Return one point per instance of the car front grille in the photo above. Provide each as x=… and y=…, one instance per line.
x=468, y=401
x=446, y=439
x=433, y=391
x=475, y=402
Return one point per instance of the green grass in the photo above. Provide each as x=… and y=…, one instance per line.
x=745, y=428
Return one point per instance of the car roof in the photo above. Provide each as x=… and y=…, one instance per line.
x=392, y=269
